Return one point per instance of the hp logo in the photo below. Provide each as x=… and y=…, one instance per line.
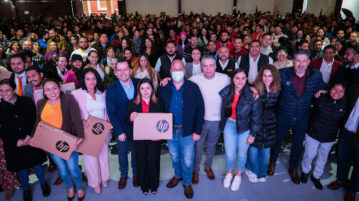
x=162, y=126
x=98, y=128
x=62, y=146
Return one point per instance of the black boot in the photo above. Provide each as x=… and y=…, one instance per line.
x=27, y=195
x=317, y=183
x=304, y=178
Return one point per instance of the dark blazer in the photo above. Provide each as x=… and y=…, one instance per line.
x=133, y=107
x=351, y=76
x=116, y=106
x=16, y=122
x=316, y=63
x=248, y=111
x=193, y=106
x=71, y=115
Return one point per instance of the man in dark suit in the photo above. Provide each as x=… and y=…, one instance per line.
x=327, y=65
x=118, y=95
x=350, y=71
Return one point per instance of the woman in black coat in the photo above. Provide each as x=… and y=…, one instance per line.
x=267, y=84
x=17, y=118
x=147, y=151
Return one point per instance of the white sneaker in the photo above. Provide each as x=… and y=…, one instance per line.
x=263, y=179
x=251, y=176
x=236, y=183
x=227, y=180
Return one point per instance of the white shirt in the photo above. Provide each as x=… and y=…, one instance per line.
x=253, y=67
x=225, y=64
x=82, y=53
x=23, y=82
x=356, y=66
x=100, y=72
x=210, y=89
x=326, y=70
x=158, y=63
x=96, y=107
x=60, y=74
x=353, y=120
x=144, y=74
x=196, y=69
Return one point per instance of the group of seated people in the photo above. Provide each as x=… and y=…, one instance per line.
x=251, y=78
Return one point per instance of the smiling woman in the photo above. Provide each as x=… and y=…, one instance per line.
x=17, y=118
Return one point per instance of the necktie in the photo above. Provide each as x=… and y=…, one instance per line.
x=19, y=87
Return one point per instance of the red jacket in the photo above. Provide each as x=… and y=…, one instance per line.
x=317, y=63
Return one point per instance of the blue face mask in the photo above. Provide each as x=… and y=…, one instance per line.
x=177, y=76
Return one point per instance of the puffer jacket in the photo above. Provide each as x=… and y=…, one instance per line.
x=326, y=118
x=248, y=111
x=289, y=105
x=267, y=137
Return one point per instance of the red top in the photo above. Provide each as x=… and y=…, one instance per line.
x=145, y=106
x=234, y=105
x=300, y=82
x=235, y=55
x=229, y=44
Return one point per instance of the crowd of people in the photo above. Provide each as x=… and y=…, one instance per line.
x=252, y=78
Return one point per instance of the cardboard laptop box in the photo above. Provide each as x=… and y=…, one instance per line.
x=53, y=140
x=4, y=74
x=95, y=136
x=67, y=88
x=153, y=126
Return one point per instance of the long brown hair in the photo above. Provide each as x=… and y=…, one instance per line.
x=139, y=97
x=274, y=86
x=148, y=67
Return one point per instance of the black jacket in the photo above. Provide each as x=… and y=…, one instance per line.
x=326, y=118
x=16, y=122
x=267, y=137
x=193, y=106
x=248, y=111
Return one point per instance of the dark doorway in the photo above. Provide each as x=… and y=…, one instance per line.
x=121, y=7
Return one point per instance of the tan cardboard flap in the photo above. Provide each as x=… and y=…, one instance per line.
x=67, y=88
x=53, y=140
x=95, y=136
x=153, y=126
x=4, y=74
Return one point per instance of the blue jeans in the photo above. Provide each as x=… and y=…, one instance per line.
x=24, y=176
x=182, y=154
x=258, y=159
x=67, y=167
x=235, y=144
x=123, y=148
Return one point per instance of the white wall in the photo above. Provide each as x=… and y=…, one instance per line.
x=352, y=5
x=153, y=6
x=211, y=7
x=197, y=6
x=249, y=6
x=283, y=6
x=315, y=6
